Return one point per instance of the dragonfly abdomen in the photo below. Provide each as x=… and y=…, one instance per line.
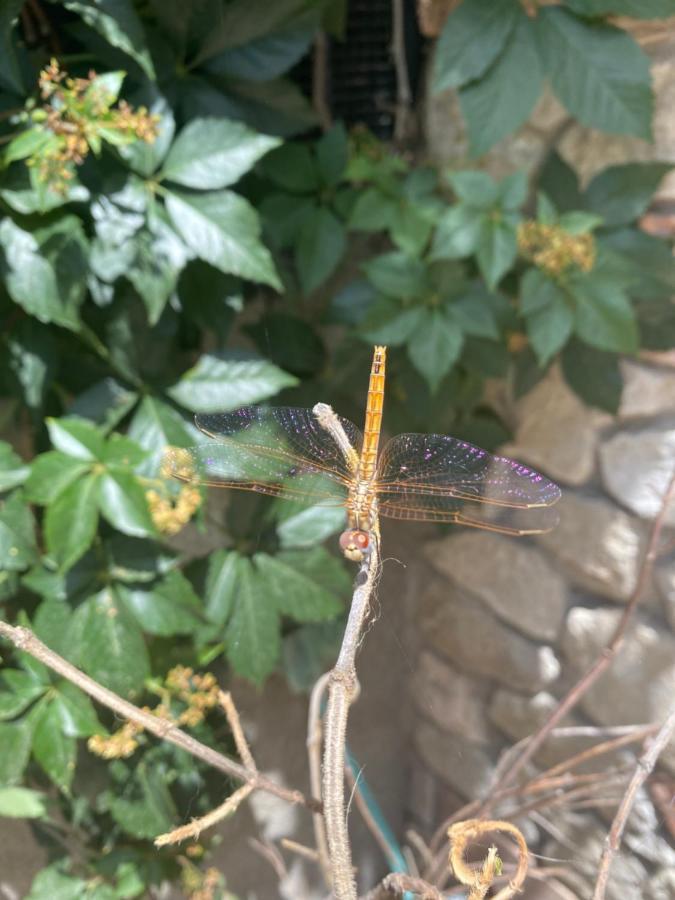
x=373, y=424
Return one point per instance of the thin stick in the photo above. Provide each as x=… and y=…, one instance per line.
x=23, y=639
x=367, y=816
x=195, y=828
x=397, y=883
x=234, y=722
x=605, y=657
x=644, y=767
x=314, y=744
x=342, y=689
x=403, y=92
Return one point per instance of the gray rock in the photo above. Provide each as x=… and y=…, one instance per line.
x=600, y=546
x=661, y=886
x=512, y=578
x=665, y=581
x=647, y=391
x=582, y=845
x=636, y=469
x=469, y=635
x=639, y=686
x=462, y=764
x=556, y=432
x=453, y=700
x=518, y=715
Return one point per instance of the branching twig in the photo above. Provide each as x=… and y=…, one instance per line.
x=342, y=689
x=314, y=744
x=605, y=657
x=644, y=766
x=195, y=828
x=26, y=641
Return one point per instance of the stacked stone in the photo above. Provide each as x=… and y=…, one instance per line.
x=509, y=624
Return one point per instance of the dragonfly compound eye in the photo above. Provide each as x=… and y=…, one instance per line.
x=354, y=543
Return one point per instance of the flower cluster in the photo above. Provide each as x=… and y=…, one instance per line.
x=555, y=250
x=200, y=885
x=195, y=693
x=78, y=114
x=170, y=514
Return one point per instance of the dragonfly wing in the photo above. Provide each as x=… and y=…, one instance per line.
x=283, y=433
x=232, y=465
x=444, y=508
x=436, y=465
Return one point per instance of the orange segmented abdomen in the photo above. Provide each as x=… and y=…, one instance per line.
x=371, y=430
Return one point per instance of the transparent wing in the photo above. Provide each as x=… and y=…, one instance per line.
x=280, y=451
x=283, y=433
x=416, y=469
x=444, y=508
x=219, y=465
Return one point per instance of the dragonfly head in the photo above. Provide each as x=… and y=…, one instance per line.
x=355, y=544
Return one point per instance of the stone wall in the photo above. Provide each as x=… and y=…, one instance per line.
x=508, y=624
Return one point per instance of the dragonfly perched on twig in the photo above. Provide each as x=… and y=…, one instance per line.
x=319, y=458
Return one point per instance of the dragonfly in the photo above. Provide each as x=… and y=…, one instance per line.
x=316, y=457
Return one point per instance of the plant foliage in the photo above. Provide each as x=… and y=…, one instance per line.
x=174, y=238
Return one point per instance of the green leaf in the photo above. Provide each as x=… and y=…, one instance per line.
x=22, y=803
x=156, y=426
x=497, y=248
x=52, y=621
x=10, y=71
x=457, y=233
x=560, y=183
x=332, y=154
x=397, y=275
x=386, y=322
x=577, y=222
x=472, y=38
x=27, y=142
x=252, y=636
x=306, y=526
x=221, y=585
x=598, y=72
x=595, y=376
x=121, y=500
x=109, y=645
x=51, y=473
x=15, y=743
x=373, y=210
x=17, y=537
x=269, y=55
x=604, y=315
x=160, y=258
x=295, y=592
x=476, y=189
x=33, y=359
x=217, y=384
x=214, y=153
x=71, y=520
x=320, y=248
x=77, y=438
x=412, y=225
x=435, y=346
x=549, y=328
x=636, y=9
x=75, y=711
x=153, y=812
x=123, y=452
x=118, y=24
x=31, y=279
x=166, y=608
x=290, y=342
x=474, y=314
x=17, y=691
x=502, y=100
x=223, y=229
x=50, y=884
x=13, y=471
x=293, y=168
x=54, y=750
x=621, y=194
